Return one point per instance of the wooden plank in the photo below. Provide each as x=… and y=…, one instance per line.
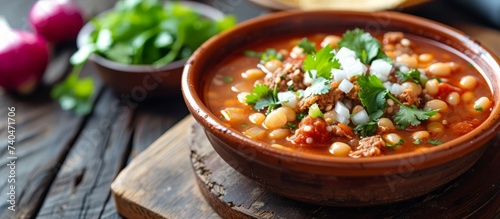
x=81, y=188
x=45, y=134
x=164, y=183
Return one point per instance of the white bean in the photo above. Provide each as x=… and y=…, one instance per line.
x=340, y=149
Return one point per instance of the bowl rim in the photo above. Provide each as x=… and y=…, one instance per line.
x=437, y=155
x=203, y=9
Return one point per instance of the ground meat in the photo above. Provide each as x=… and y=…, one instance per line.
x=393, y=37
x=392, y=42
x=291, y=71
x=353, y=94
x=408, y=98
x=326, y=102
x=368, y=147
x=313, y=131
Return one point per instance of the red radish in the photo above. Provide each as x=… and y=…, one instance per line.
x=56, y=20
x=23, y=59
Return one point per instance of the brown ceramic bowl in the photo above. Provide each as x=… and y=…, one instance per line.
x=143, y=81
x=340, y=181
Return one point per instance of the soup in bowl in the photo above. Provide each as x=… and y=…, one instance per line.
x=345, y=108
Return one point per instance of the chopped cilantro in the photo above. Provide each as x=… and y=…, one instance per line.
x=372, y=94
x=228, y=79
x=262, y=97
x=283, y=76
x=418, y=141
x=290, y=126
x=438, y=79
x=290, y=87
x=323, y=61
x=268, y=55
x=390, y=146
x=413, y=75
x=300, y=116
x=376, y=115
x=307, y=46
x=367, y=47
x=319, y=86
x=470, y=65
x=434, y=142
x=244, y=125
x=478, y=108
x=411, y=116
x=366, y=129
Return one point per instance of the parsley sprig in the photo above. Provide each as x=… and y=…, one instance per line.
x=373, y=96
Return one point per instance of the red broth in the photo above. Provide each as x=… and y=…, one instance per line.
x=228, y=83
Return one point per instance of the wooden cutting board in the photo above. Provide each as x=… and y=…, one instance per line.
x=181, y=176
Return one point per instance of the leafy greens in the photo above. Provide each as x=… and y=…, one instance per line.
x=373, y=96
x=367, y=47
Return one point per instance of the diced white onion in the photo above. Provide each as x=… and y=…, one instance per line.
x=387, y=85
x=344, y=53
x=308, y=80
x=381, y=69
x=341, y=110
x=288, y=99
x=360, y=117
x=404, y=68
x=396, y=89
x=353, y=67
x=342, y=119
x=346, y=86
x=338, y=74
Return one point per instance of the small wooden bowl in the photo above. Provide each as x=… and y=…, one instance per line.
x=337, y=181
x=144, y=81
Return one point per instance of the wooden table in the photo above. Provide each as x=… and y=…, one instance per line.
x=66, y=163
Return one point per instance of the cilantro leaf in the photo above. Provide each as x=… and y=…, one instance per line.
x=478, y=108
x=318, y=87
x=372, y=94
x=390, y=146
x=434, y=142
x=300, y=116
x=290, y=125
x=407, y=116
x=418, y=141
x=323, y=61
x=413, y=75
x=258, y=92
x=268, y=55
x=366, y=129
x=228, y=79
x=307, y=46
x=367, y=47
x=262, y=97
